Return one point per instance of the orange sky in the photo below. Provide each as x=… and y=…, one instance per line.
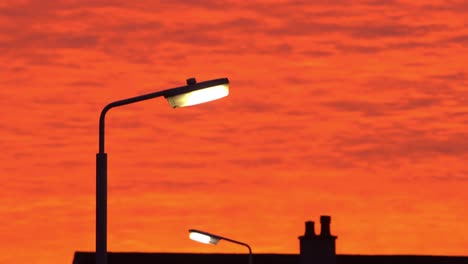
x=356, y=109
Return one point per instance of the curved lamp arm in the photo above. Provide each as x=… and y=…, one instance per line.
x=238, y=242
x=120, y=103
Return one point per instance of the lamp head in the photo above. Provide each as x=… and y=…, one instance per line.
x=203, y=237
x=197, y=93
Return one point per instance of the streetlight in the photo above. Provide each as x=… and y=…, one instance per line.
x=191, y=94
x=207, y=238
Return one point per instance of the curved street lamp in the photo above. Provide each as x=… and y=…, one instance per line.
x=207, y=238
x=191, y=94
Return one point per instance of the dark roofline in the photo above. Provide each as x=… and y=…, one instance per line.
x=206, y=258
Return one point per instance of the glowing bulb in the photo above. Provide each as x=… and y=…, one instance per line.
x=199, y=96
x=203, y=238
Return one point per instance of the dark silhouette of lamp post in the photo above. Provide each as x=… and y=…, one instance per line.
x=191, y=94
x=207, y=238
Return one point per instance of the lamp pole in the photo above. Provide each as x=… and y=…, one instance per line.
x=101, y=179
x=191, y=94
x=208, y=238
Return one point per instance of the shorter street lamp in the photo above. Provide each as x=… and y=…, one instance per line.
x=207, y=238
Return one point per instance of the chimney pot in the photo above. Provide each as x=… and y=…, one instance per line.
x=325, y=221
x=309, y=229
x=191, y=81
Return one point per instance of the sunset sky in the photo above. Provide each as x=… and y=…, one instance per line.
x=354, y=109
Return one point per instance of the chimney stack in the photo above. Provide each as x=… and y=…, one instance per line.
x=317, y=249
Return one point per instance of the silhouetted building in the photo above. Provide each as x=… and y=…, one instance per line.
x=313, y=249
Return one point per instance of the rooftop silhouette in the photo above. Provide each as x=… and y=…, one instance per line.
x=313, y=249
x=195, y=258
